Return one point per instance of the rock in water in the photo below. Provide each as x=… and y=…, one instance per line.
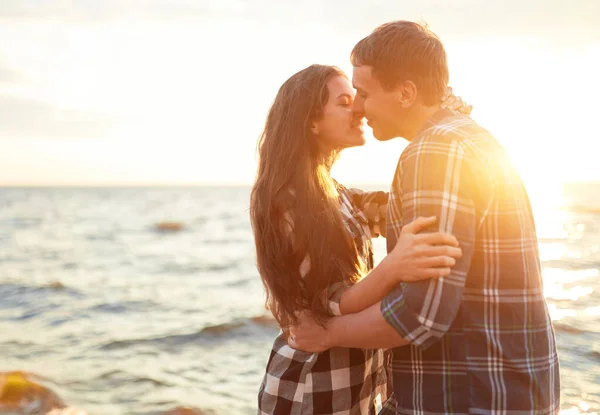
x=265, y=320
x=169, y=226
x=185, y=410
x=56, y=285
x=20, y=395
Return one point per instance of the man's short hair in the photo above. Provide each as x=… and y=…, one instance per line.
x=405, y=51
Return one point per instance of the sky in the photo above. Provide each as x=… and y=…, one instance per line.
x=176, y=92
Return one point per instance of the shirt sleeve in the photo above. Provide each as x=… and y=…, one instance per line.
x=434, y=179
x=334, y=297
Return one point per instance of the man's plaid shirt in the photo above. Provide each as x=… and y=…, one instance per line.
x=339, y=381
x=481, y=339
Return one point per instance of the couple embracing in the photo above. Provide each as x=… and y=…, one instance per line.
x=453, y=320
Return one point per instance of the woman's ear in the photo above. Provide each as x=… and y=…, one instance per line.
x=314, y=128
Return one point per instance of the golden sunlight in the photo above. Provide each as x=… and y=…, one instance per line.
x=128, y=134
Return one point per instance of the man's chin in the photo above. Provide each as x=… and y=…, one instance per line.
x=380, y=136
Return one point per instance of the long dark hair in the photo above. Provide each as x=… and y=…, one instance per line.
x=294, y=206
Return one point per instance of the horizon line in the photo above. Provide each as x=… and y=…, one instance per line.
x=203, y=184
x=150, y=184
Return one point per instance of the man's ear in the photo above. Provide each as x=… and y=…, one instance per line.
x=407, y=93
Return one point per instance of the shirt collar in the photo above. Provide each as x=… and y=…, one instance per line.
x=435, y=119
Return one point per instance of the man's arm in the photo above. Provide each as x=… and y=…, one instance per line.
x=436, y=178
x=414, y=258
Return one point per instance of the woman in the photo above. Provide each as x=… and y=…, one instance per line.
x=314, y=250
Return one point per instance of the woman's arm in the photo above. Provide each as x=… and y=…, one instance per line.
x=415, y=257
x=371, y=289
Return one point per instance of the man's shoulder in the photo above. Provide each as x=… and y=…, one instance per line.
x=456, y=127
x=452, y=131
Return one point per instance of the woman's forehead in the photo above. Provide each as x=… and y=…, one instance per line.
x=339, y=85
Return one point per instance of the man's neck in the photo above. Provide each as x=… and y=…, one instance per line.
x=418, y=120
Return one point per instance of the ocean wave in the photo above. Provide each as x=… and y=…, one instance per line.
x=124, y=307
x=170, y=340
x=28, y=302
x=122, y=377
x=14, y=288
x=231, y=330
x=18, y=344
x=24, y=222
x=193, y=268
x=20, y=295
x=35, y=311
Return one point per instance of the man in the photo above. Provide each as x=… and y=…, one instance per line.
x=479, y=341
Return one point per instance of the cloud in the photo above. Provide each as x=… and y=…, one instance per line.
x=20, y=117
x=554, y=20
x=94, y=10
x=557, y=19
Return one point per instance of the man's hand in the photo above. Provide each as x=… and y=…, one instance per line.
x=418, y=256
x=454, y=103
x=376, y=215
x=308, y=335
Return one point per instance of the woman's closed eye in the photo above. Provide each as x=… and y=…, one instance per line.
x=345, y=101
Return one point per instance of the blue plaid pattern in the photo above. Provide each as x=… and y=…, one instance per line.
x=482, y=340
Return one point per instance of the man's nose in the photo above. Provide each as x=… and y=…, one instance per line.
x=358, y=108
